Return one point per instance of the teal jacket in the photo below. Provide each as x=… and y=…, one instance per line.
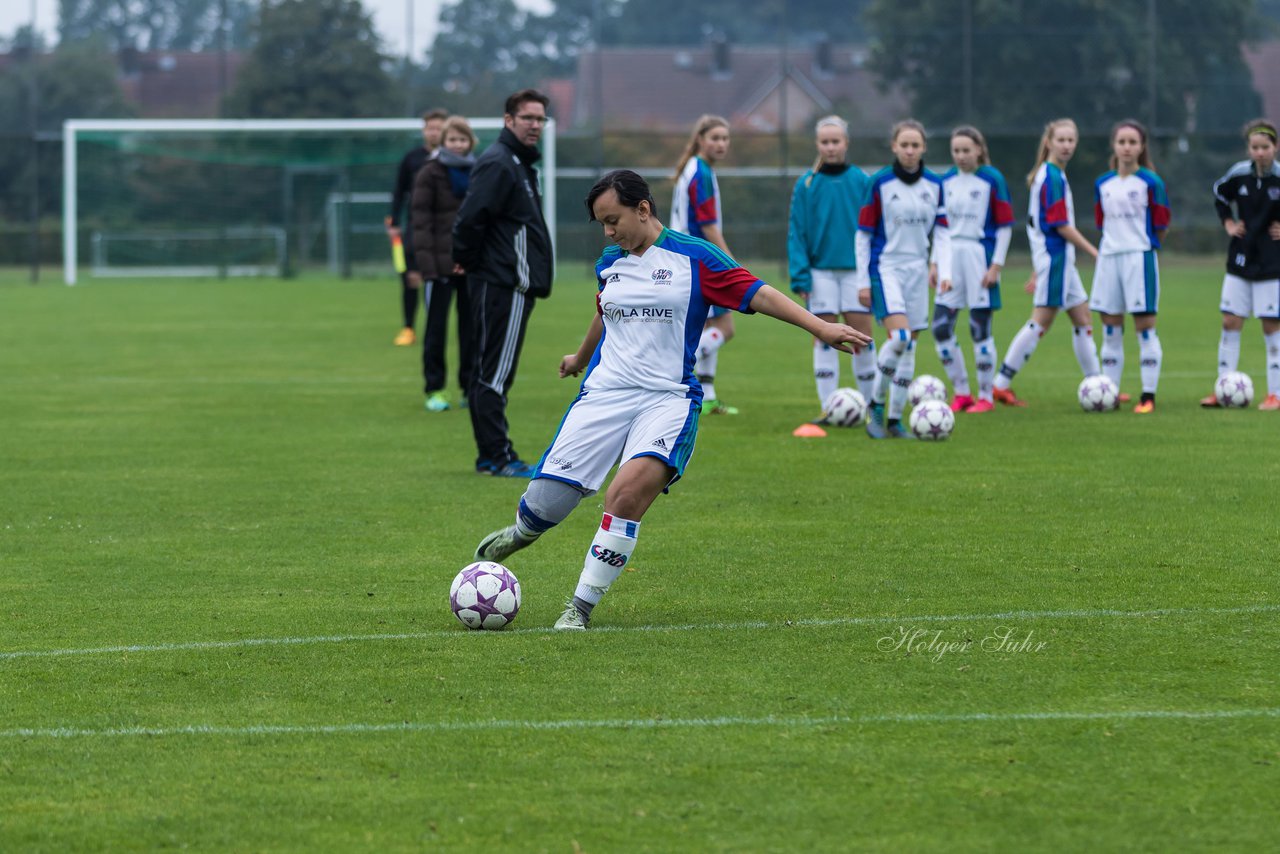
x=824, y=222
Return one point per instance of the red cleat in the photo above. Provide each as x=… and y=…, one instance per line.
x=1210, y=402
x=1007, y=397
x=1271, y=404
x=1123, y=397
x=961, y=402
x=980, y=406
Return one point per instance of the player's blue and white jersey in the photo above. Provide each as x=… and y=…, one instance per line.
x=1131, y=211
x=900, y=218
x=653, y=307
x=696, y=200
x=1049, y=208
x=978, y=207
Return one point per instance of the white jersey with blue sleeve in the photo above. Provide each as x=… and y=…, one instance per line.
x=1131, y=211
x=653, y=307
x=695, y=203
x=897, y=222
x=979, y=208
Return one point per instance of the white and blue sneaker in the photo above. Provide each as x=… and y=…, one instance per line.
x=875, y=422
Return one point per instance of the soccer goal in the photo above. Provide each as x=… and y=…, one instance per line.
x=223, y=198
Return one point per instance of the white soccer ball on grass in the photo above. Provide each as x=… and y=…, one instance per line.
x=1098, y=393
x=1234, y=390
x=845, y=407
x=932, y=421
x=485, y=595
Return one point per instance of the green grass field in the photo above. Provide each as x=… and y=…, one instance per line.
x=227, y=531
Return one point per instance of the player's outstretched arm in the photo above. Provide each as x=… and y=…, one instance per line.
x=574, y=363
x=774, y=303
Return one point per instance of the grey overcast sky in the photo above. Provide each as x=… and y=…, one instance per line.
x=389, y=16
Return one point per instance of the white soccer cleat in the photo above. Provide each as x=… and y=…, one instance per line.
x=501, y=544
x=571, y=620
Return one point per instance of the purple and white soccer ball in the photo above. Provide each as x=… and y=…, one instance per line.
x=845, y=407
x=1098, y=393
x=1234, y=390
x=932, y=421
x=926, y=387
x=485, y=595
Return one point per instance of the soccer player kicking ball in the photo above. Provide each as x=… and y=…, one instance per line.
x=639, y=402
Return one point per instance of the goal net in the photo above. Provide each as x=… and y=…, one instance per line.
x=239, y=197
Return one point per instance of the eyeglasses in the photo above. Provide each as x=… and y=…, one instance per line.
x=533, y=120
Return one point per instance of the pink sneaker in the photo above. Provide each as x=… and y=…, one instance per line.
x=962, y=402
x=980, y=406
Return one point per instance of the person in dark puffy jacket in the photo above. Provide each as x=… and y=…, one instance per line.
x=438, y=191
x=501, y=242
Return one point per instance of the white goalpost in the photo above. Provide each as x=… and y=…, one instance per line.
x=136, y=231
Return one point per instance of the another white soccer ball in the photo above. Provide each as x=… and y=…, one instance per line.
x=845, y=407
x=932, y=421
x=1234, y=390
x=925, y=387
x=1098, y=394
x=485, y=595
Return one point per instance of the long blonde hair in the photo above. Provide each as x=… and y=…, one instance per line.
x=971, y=132
x=1045, y=138
x=704, y=123
x=826, y=121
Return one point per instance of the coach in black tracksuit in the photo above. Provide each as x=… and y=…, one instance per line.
x=500, y=240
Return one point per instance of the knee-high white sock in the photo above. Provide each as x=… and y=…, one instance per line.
x=1020, y=350
x=984, y=365
x=612, y=547
x=952, y=359
x=887, y=363
x=902, y=377
x=1086, y=353
x=708, y=352
x=826, y=370
x=864, y=370
x=1113, y=352
x=1152, y=355
x=1273, y=363
x=1229, y=351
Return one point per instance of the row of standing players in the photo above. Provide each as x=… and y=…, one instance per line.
x=920, y=231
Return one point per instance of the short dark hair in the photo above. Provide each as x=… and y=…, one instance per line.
x=630, y=187
x=432, y=115
x=524, y=96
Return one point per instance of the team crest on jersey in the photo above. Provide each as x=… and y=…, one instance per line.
x=662, y=277
x=975, y=194
x=1134, y=195
x=1273, y=193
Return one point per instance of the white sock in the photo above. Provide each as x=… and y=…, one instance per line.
x=1020, y=350
x=887, y=364
x=864, y=369
x=1273, y=363
x=902, y=377
x=1229, y=351
x=984, y=363
x=1152, y=354
x=614, y=543
x=1113, y=352
x=826, y=370
x=952, y=359
x=704, y=366
x=1086, y=353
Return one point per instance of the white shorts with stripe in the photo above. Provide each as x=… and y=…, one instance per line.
x=1058, y=283
x=969, y=263
x=1126, y=283
x=1245, y=298
x=605, y=426
x=902, y=288
x=834, y=292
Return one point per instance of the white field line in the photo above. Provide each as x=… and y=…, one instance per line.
x=459, y=632
x=640, y=723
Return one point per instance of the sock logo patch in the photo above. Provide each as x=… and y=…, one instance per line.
x=608, y=556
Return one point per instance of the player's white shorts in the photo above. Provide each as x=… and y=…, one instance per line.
x=1245, y=298
x=834, y=292
x=969, y=263
x=902, y=288
x=604, y=426
x=1058, y=283
x=1126, y=283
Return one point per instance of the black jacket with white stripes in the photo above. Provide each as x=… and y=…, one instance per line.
x=499, y=235
x=1255, y=256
